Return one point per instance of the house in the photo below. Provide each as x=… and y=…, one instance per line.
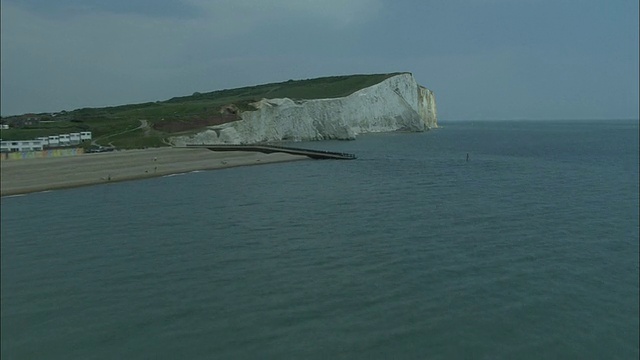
x=20, y=145
x=40, y=143
x=22, y=121
x=54, y=140
x=45, y=140
x=74, y=138
x=64, y=139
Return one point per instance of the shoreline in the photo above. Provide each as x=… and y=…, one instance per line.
x=43, y=174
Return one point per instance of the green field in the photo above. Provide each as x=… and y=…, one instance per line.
x=148, y=124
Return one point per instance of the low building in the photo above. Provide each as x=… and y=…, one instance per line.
x=45, y=140
x=64, y=139
x=21, y=145
x=74, y=138
x=54, y=140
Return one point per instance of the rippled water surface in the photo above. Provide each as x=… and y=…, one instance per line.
x=528, y=250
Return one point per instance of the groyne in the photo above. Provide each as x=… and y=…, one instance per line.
x=268, y=149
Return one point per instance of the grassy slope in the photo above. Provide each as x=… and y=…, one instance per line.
x=118, y=125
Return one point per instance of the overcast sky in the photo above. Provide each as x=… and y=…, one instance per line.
x=484, y=59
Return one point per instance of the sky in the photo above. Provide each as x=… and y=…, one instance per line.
x=484, y=59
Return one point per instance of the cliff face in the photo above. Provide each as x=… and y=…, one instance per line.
x=397, y=103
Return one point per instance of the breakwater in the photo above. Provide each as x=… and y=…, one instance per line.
x=268, y=149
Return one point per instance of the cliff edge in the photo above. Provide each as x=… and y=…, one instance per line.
x=397, y=103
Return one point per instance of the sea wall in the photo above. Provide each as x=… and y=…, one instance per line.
x=20, y=155
x=397, y=103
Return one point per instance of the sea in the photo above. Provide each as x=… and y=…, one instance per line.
x=528, y=249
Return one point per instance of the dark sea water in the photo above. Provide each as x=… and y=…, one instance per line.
x=527, y=251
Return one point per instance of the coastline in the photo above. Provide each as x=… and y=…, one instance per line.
x=35, y=175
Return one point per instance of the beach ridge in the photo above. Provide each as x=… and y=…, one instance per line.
x=42, y=174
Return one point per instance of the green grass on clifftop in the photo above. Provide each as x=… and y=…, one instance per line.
x=148, y=124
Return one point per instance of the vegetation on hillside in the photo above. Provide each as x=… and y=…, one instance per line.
x=148, y=124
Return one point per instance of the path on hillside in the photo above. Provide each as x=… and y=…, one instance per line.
x=144, y=124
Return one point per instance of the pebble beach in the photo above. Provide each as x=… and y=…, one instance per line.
x=41, y=174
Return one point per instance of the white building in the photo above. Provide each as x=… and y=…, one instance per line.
x=54, y=140
x=74, y=138
x=21, y=145
x=64, y=139
x=45, y=140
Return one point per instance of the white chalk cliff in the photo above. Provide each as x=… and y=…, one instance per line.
x=397, y=103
